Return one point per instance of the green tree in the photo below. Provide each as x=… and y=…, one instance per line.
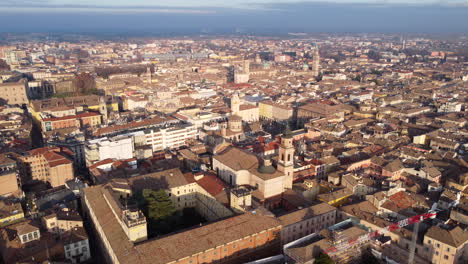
x=84, y=83
x=4, y=65
x=323, y=259
x=368, y=258
x=158, y=204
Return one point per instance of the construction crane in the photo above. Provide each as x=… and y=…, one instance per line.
x=405, y=222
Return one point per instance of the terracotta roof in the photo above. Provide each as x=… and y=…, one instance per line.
x=176, y=246
x=455, y=237
x=247, y=106
x=306, y=213
x=159, y=180
x=212, y=184
x=237, y=159
x=132, y=125
x=26, y=228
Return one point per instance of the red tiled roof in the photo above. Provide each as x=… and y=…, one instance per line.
x=402, y=200
x=100, y=163
x=246, y=107
x=135, y=124
x=212, y=184
x=260, y=148
x=78, y=116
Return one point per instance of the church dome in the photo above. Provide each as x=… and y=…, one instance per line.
x=235, y=118
x=266, y=169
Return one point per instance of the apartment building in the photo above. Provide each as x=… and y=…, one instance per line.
x=49, y=164
x=14, y=93
x=118, y=147
x=170, y=137
x=81, y=120
x=68, y=106
x=76, y=245
x=61, y=221
x=9, y=178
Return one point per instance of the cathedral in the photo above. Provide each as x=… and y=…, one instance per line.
x=238, y=167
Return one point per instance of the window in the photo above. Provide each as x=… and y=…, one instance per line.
x=438, y=245
x=437, y=253
x=448, y=249
x=35, y=235
x=25, y=238
x=445, y=257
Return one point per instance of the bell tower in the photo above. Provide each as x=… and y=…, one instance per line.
x=103, y=109
x=235, y=104
x=286, y=157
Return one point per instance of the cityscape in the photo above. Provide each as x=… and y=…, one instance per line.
x=232, y=145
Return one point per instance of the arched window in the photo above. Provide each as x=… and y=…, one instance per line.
x=289, y=157
x=282, y=156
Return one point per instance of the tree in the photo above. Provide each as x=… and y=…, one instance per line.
x=323, y=259
x=158, y=204
x=373, y=55
x=4, y=65
x=85, y=83
x=368, y=258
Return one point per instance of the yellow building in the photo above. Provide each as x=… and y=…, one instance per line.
x=265, y=110
x=62, y=221
x=335, y=197
x=10, y=212
x=60, y=107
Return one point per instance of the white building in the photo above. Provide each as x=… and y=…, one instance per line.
x=203, y=93
x=450, y=107
x=199, y=117
x=76, y=245
x=171, y=137
x=135, y=102
x=119, y=147
x=363, y=96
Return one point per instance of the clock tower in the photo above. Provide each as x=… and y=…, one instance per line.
x=286, y=157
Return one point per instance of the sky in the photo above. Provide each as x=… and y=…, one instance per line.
x=267, y=16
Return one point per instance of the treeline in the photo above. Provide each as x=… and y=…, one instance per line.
x=84, y=83
x=4, y=66
x=105, y=72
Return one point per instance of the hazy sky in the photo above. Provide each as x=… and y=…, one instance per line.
x=130, y=16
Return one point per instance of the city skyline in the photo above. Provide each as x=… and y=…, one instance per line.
x=258, y=17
